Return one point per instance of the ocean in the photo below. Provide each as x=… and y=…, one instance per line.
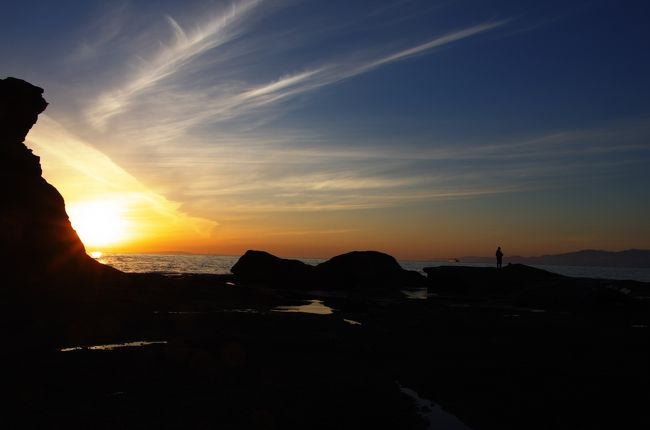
x=221, y=264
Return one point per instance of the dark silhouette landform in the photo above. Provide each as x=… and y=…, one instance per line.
x=357, y=270
x=37, y=238
x=86, y=346
x=588, y=258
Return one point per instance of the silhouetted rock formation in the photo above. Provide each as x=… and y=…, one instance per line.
x=357, y=269
x=360, y=268
x=525, y=285
x=487, y=281
x=260, y=266
x=36, y=238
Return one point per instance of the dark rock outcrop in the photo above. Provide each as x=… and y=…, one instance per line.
x=358, y=269
x=529, y=286
x=486, y=281
x=367, y=268
x=36, y=238
x=262, y=267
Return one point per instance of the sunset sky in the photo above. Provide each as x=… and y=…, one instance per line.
x=420, y=128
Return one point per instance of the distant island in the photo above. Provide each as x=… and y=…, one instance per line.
x=589, y=257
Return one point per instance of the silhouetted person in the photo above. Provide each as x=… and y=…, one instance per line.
x=499, y=255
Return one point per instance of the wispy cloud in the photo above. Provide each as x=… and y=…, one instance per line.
x=170, y=58
x=282, y=84
x=195, y=111
x=156, y=80
x=106, y=30
x=260, y=173
x=329, y=73
x=435, y=43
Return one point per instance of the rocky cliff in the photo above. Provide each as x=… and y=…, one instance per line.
x=36, y=238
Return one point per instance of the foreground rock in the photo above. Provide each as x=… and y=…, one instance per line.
x=367, y=270
x=36, y=238
x=524, y=285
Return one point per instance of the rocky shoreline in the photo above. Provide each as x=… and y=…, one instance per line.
x=86, y=346
x=228, y=359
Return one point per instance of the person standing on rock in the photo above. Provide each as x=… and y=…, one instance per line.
x=499, y=255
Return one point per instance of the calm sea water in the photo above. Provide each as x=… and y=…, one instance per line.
x=221, y=264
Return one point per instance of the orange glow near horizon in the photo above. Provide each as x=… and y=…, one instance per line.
x=113, y=211
x=109, y=208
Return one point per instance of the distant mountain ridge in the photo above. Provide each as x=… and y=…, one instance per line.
x=639, y=258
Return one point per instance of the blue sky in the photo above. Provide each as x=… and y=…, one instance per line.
x=423, y=128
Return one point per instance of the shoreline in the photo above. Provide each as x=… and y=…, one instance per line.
x=229, y=360
x=217, y=264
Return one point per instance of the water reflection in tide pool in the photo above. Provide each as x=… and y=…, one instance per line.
x=112, y=346
x=434, y=415
x=316, y=307
x=416, y=293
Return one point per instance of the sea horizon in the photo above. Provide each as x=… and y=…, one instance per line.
x=167, y=262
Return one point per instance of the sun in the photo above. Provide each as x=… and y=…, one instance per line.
x=99, y=222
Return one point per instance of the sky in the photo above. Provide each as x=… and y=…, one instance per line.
x=423, y=129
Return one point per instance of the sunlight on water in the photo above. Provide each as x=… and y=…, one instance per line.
x=96, y=254
x=312, y=307
x=170, y=263
x=112, y=346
